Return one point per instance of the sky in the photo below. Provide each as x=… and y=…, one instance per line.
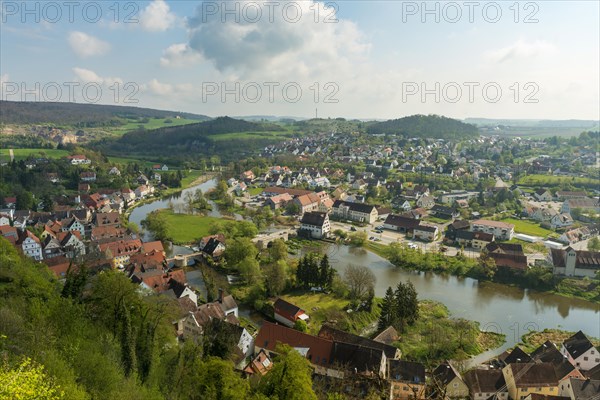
x=352, y=59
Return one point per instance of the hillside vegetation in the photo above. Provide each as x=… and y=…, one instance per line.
x=205, y=138
x=80, y=115
x=425, y=126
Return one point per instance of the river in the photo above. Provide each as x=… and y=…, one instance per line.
x=500, y=308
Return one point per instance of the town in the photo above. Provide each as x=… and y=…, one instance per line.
x=534, y=222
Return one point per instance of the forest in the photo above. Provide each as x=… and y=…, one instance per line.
x=425, y=126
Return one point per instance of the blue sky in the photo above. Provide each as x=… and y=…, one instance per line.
x=375, y=59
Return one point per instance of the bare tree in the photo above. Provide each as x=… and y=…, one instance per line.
x=359, y=279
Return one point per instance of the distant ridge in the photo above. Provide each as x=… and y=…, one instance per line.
x=432, y=126
x=84, y=115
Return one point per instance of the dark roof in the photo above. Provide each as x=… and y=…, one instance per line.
x=505, y=248
x=401, y=221
x=356, y=358
x=585, y=389
x=485, y=380
x=285, y=308
x=460, y=224
x=442, y=209
x=517, y=355
x=468, y=235
x=356, y=207
x=444, y=373
x=533, y=374
x=426, y=228
x=314, y=218
x=331, y=333
x=388, y=336
x=577, y=344
x=406, y=371
x=211, y=246
x=593, y=373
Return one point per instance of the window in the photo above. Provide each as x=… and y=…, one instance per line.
x=585, y=358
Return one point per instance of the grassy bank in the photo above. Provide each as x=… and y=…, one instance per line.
x=436, y=336
x=532, y=340
x=323, y=308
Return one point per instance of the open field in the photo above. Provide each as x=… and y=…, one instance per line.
x=251, y=135
x=538, y=180
x=528, y=227
x=21, y=154
x=185, y=228
x=255, y=191
x=153, y=123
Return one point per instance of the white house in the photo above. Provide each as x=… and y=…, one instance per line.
x=501, y=230
x=31, y=245
x=561, y=221
x=427, y=233
x=315, y=224
x=581, y=352
x=355, y=211
x=571, y=262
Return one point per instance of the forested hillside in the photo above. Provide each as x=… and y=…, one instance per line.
x=79, y=115
x=100, y=338
x=425, y=126
x=205, y=138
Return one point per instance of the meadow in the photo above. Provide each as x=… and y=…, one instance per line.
x=528, y=227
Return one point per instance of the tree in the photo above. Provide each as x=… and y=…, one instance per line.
x=24, y=201
x=407, y=305
x=300, y=325
x=358, y=239
x=250, y=270
x=276, y=277
x=27, y=381
x=239, y=249
x=156, y=222
x=278, y=250
x=290, y=377
x=594, y=244
x=388, y=310
x=359, y=279
x=127, y=341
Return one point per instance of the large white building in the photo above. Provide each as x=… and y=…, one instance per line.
x=358, y=212
x=315, y=224
x=500, y=230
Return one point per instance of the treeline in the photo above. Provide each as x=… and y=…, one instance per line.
x=98, y=337
x=79, y=115
x=315, y=271
x=425, y=126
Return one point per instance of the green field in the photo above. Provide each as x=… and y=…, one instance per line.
x=21, y=154
x=551, y=180
x=528, y=227
x=185, y=228
x=255, y=191
x=153, y=123
x=251, y=135
x=127, y=160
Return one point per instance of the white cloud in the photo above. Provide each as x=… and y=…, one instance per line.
x=519, y=50
x=89, y=76
x=85, y=45
x=179, y=55
x=157, y=17
x=278, y=46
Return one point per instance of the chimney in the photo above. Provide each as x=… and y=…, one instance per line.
x=220, y=298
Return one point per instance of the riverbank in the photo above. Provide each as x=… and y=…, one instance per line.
x=532, y=340
x=538, y=278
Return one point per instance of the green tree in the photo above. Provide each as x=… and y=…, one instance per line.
x=250, y=270
x=407, y=305
x=127, y=341
x=156, y=222
x=290, y=377
x=25, y=201
x=278, y=250
x=301, y=325
x=389, y=312
x=27, y=381
x=594, y=244
x=276, y=276
x=239, y=249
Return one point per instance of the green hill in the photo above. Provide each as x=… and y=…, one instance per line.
x=431, y=126
x=80, y=115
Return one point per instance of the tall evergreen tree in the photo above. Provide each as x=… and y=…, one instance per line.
x=324, y=268
x=388, y=310
x=127, y=342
